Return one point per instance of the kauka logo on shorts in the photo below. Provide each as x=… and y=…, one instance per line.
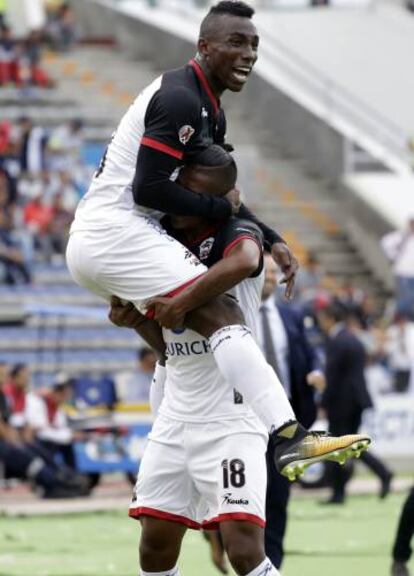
x=228, y=499
x=185, y=133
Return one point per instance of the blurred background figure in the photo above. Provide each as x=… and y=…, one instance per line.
x=133, y=387
x=282, y=338
x=18, y=461
x=48, y=423
x=346, y=396
x=16, y=389
x=399, y=248
x=402, y=549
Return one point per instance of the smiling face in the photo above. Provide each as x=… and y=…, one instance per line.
x=228, y=49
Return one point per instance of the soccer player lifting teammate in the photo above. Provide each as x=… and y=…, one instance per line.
x=204, y=464
x=117, y=246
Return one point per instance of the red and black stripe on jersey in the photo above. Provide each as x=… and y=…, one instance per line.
x=184, y=117
x=216, y=241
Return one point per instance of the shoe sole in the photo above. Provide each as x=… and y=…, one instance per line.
x=296, y=469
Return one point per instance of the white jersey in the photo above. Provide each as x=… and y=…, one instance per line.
x=177, y=115
x=195, y=390
x=109, y=200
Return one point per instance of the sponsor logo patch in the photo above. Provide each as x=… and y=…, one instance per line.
x=205, y=248
x=228, y=499
x=185, y=133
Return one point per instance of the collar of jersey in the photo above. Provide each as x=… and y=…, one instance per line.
x=203, y=236
x=204, y=82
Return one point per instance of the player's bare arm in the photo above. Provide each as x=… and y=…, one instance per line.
x=238, y=264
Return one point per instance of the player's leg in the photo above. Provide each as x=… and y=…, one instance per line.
x=160, y=546
x=244, y=367
x=230, y=472
x=244, y=544
x=162, y=498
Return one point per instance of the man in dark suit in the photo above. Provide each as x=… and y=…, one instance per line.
x=282, y=337
x=346, y=395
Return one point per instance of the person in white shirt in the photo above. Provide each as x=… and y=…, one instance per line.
x=399, y=248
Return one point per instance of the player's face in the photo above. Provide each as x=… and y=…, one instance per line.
x=230, y=54
x=213, y=180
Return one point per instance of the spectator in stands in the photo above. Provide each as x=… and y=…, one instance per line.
x=37, y=216
x=9, y=65
x=31, y=56
x=32, y=146
x=399, y=347
x=61, y=28
x=346, y=395
x=399, y=248
x=13, y=267
x=48, y=422
x=65, y=145
x=309, y=279
x=135, y=386
x=16, y=389
x=19, y=462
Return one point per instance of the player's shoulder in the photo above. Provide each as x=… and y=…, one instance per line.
x=178, y=89
x=239, y=227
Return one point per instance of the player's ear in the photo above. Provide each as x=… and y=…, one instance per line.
x=202, y=48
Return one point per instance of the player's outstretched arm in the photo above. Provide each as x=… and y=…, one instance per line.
x=239, y=263
x=279, y=250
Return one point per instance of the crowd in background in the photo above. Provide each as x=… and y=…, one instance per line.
x=42, y=177
x=21, y=57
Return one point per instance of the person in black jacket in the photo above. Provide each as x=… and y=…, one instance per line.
x=402, y=550
x=301, y=374
x=346, y=395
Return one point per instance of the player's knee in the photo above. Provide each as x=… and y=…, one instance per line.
x=157, y=553
x=245, y=551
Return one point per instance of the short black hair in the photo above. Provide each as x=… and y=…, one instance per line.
x=216, y=156
x=233, y=8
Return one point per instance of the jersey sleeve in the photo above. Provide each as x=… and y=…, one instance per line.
x=173, y=122
x=270, y=236
x=235, y=231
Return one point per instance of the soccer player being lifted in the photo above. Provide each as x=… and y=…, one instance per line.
x=117, y=246
x=204, y=464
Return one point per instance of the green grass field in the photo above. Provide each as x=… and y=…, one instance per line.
x=353, y=540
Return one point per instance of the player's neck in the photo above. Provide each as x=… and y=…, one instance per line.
x=216, y=87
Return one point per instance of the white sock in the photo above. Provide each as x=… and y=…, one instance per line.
x=266, y=568
x=243, y=365
x=173, y=572
x=157, y=388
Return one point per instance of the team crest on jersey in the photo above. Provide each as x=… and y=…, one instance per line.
x=205, y=248
x=185, y=133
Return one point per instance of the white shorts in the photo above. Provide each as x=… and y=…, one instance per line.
x=135, y=262
x=203, y=474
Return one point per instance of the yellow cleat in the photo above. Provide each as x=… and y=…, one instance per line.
x=293, y=456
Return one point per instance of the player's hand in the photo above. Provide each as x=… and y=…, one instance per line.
x=289, y=265
x=124, y=315
x=167, y=312
x=317, y=380
x=234, y=198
